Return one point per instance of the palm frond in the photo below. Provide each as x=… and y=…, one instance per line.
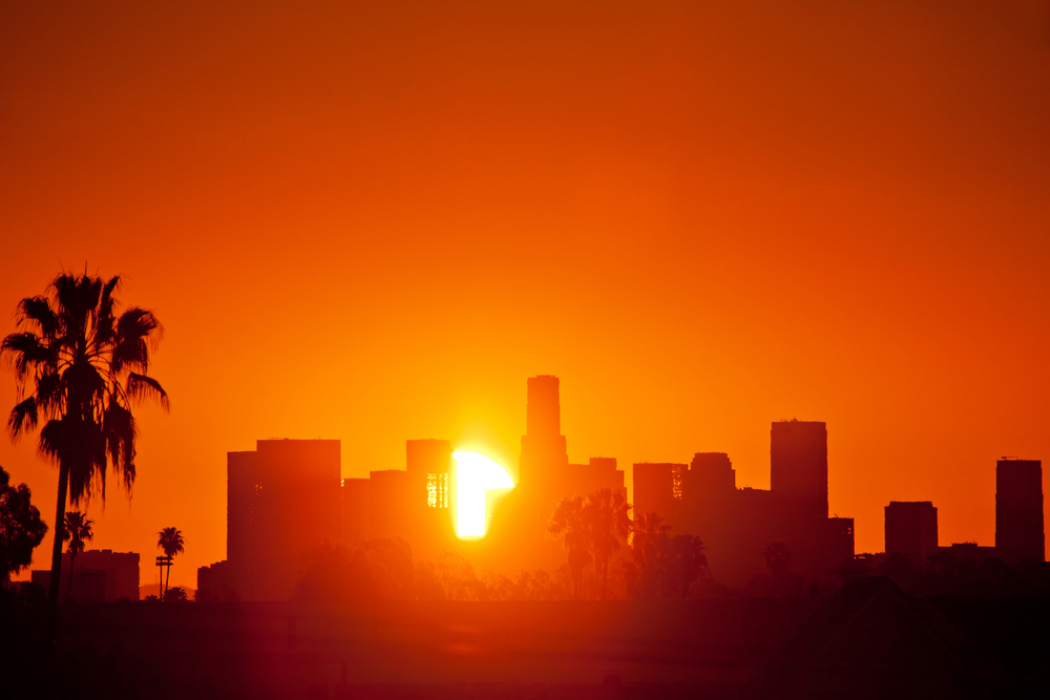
x=142, y=387
x=118, y=427
x=28, y=350
x=77, y=297
x=53, y=439
x=37, y=311
x=50, y=392
x=23, y=417
x=137, y=331
x=104, y=323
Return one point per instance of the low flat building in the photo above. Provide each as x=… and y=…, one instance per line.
x=99, y=576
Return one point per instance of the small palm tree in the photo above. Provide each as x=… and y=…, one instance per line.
x=690, y=559
x=649, y=543
x=77, y=532
x=170, y=540
x=608, y=520
x=175, y=595
x=83, y=367
x=568, y=521
x=778, y=558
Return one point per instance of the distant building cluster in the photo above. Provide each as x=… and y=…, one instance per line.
x=286, y=500
x=911, y=527
x=737, y=524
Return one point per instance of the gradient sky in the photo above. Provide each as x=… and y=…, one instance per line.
x=373, y=223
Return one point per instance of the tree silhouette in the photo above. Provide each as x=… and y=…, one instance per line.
x=86, y=367
x=649, y=544
x=170, y=540
x=608, y=521
x=778, y=558
x=390, y=561
x=21, y=528
x=690, y=559
x=77, y=532
x=175, y=595
x=568, y=521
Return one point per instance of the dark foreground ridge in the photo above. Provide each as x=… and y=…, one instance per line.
x=869, y=640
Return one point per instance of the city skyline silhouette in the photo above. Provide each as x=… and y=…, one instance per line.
x=704, y=219
x=748, y=302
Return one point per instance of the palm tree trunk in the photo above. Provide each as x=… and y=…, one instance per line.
x=72, y=566
x=167, y=579
x=60, y=521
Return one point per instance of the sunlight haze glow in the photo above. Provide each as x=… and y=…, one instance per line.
x=475, y=476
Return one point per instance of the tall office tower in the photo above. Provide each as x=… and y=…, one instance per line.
x=358, y=522
x=711, y=473
x=799, y=467
x=283, y=502
x=544, y=457
x=911, y=529
x=657, y=490
x=1019, y=510
x=241, y=484
x=428, y=465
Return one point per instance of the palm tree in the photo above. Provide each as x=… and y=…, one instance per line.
x=170, y=540
x=568, y=521
x=608, y=520
x=86, y=367
x=649, y=542
x=77, y=532
x=778, y=558
x=690, y=559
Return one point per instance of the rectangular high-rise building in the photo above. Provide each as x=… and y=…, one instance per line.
x=1019, y=510
x=283, y=502
x=799, y=468
x=911, y=529
x=657, y=489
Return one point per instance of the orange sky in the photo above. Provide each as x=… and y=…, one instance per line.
x=373, y=224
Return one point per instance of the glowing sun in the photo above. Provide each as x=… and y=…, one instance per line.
x=475, y=476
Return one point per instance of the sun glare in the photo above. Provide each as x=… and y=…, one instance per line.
x=475, y=476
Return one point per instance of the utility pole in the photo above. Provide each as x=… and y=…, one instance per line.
x=162, y=561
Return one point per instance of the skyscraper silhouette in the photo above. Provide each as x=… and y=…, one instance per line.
x=544, y=457
x=799, y=467
x=282, y=503
x=736, y=524
x=1019, y=510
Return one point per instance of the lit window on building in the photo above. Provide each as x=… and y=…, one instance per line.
x=676, y=475
x=437, y=490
